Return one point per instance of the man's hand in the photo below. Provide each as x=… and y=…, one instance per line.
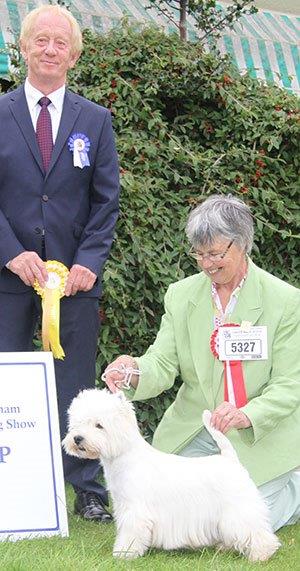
x=79, y=279
x=227, y=416
x=29, y=267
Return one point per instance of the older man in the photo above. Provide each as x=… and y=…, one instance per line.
x=56, y=203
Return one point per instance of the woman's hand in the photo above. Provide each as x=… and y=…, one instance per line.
x=227, y=416
x=115, y=378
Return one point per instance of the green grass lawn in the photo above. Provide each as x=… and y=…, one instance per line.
x=90, y=544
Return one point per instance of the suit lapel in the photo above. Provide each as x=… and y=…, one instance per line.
x=20, y=111
x=70, y=112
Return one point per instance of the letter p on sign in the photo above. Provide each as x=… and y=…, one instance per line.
x=4, y=451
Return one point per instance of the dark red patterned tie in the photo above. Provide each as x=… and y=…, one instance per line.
x=44, y=132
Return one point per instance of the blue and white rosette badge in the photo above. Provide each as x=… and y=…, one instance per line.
x=79, y=144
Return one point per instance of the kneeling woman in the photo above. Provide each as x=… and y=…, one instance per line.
x=255, y=399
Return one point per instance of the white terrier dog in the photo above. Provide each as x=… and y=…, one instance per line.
x=163, y=500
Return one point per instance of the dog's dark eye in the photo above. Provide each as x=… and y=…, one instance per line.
x=98, y=425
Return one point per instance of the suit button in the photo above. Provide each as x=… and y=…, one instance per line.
x=45, y=197
x=38, y=230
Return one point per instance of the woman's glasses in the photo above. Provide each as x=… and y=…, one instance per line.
x=212, y=257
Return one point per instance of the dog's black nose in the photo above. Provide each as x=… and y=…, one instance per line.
x=78, y=439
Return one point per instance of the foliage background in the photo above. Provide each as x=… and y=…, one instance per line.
x=209, y=16
x=187, y=126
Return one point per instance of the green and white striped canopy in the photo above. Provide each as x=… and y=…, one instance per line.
x=267, y=44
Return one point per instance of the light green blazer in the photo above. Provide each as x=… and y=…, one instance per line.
x=272, y=445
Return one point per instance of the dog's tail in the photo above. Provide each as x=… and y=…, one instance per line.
x=222, y=441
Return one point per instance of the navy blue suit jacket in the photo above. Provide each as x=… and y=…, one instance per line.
x=77, y=208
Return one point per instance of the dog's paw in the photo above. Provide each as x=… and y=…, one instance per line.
x=129, y=548
x=263, y=546
x=126, y=554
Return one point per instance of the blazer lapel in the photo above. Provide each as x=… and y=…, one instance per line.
x=20, y=111
x=200, y=327
x=70, y=112
x=249, y=303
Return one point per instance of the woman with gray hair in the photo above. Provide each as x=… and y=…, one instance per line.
x=224, y=216
x=232, y=333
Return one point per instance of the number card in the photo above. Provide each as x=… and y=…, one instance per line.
x=32, y=493
x=237, y=344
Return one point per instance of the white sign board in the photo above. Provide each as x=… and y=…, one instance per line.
x=32, y=493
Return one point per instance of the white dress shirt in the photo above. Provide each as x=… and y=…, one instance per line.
x=33, y=96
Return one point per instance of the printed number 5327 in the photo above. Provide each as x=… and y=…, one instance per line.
x=242, y=346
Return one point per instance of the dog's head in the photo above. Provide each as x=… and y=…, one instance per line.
x=101, y=424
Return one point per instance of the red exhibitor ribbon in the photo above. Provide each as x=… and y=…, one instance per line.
x=234, y=383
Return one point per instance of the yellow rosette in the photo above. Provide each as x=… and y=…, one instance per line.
x=51, y=294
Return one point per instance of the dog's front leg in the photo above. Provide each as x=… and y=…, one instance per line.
x=133, y=538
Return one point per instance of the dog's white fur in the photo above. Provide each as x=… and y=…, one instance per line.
x=163, y=500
